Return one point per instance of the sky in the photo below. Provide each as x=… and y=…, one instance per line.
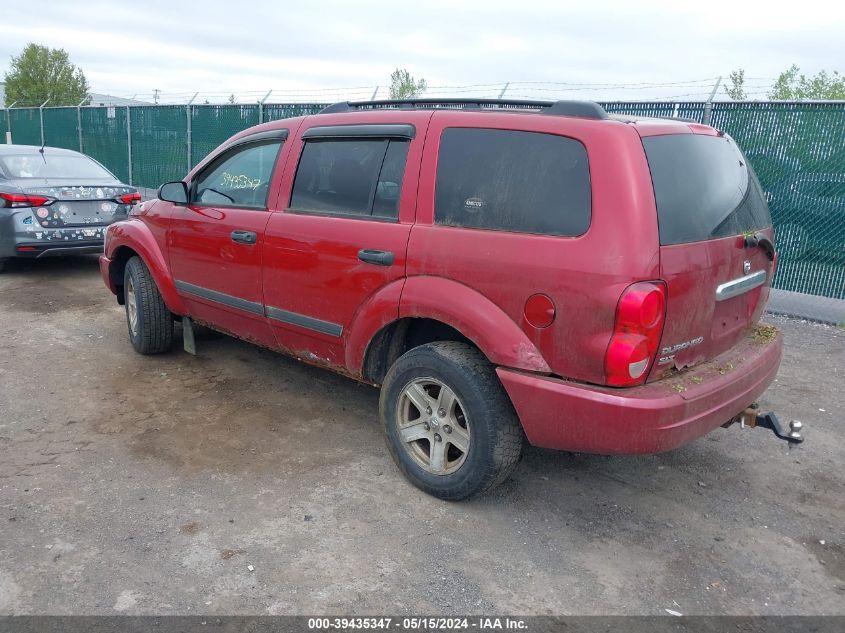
x=328, y=51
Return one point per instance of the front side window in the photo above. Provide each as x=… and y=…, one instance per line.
x=239, y=179
x=506, y=180
x=358, y=177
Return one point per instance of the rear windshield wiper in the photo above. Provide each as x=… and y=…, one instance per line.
x=758, y=239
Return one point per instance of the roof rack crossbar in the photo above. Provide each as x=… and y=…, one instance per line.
x=583, y=109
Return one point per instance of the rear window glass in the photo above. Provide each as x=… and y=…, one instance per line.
x=53, y=166
x=357, y=177
x=704, y=188
x=508, y=180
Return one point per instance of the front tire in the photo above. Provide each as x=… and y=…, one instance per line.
x=147, y=317
x=450, y=426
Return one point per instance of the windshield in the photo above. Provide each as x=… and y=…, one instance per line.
x=74, y=166
x=704, y=188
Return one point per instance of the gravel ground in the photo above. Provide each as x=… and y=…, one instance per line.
x=242, y=482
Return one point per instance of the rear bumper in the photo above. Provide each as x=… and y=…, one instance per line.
x=653, y=418
x=36, y=250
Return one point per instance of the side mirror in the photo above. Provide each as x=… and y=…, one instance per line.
x=175, y=192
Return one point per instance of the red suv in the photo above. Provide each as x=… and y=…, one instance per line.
x=504, y=270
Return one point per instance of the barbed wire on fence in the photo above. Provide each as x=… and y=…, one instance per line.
x=605, y=90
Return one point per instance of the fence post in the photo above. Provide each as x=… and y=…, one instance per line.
x=708, y=109
x=41, y=119
x=79, y=121
x=9, y=123
x=189, y=132
x=708, y=106
x=261, y=108
x=190, y=127
x=129, y=141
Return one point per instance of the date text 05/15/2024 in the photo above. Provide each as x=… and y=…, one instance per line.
x=417, y=623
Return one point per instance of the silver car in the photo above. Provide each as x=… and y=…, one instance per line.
x=56, y=202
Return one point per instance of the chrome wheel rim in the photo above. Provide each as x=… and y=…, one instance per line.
x=132, y=307
x=432, y=426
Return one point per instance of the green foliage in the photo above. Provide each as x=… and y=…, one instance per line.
x=40, y=73
x=736, y=89
x=792, y=86
x=404, y=86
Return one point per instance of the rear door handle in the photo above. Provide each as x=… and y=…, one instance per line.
x=381, y=258
x=244, y=237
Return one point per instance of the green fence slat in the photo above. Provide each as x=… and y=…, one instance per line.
x=26, y=126
x=213, y=124
x=159, y=144
x=104, y=138
x=276, y=111
x=60, y=128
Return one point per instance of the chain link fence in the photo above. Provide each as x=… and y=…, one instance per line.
x=797, y=149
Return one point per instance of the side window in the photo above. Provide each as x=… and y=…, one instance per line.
x=357, y=177
x=239, y=179
x=526, y=182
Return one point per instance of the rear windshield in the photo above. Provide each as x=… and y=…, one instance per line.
x=704, y=188
x=53, y=166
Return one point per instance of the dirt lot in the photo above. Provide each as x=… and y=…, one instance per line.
x=135, y=484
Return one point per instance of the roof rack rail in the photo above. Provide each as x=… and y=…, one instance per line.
x=583, y=109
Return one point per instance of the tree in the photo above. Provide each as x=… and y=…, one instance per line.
x=736, y=90
x=793, y=86
x=404, y=86
x=231, y=100
x=40, y=73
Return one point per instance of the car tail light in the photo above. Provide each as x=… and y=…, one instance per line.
x=636, y=335
x=130, y=198
x=18, y=200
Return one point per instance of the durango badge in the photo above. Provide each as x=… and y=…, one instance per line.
x=667, y=354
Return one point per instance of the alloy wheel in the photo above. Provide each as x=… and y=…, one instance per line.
x=432, y=425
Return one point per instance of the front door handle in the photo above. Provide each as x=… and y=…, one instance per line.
x=381, y=258
x=244, y=237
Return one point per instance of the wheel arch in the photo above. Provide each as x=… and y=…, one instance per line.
x=424, y=317
x=131, y=238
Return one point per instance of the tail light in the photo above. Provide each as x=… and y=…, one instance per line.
x=636, y=335
x=130, y=198
x=20, y=200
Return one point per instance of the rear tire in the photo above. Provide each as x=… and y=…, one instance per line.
x=147, y=317
x=450, y=426
x=2, y=265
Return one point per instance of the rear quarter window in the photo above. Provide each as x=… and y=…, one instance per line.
x=704, y=188
x=507, y=180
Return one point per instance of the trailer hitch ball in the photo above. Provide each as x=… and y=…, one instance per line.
x=770, y=421
x=752, y=417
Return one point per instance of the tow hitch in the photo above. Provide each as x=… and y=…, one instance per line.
x=752, y=417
